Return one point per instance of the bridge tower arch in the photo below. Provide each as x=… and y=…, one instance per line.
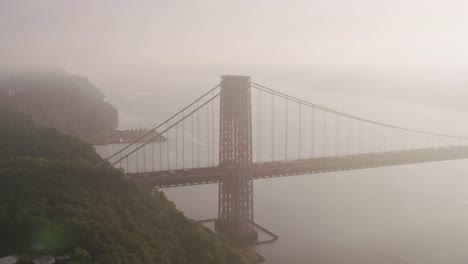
x=235, y=204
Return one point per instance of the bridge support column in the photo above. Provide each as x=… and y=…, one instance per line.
x=235, y=207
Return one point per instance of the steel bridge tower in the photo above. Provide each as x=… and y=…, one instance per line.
x=235, y=205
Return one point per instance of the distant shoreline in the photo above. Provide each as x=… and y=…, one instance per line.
x=129, y=136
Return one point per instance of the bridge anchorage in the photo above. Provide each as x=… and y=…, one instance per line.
x=239, y=131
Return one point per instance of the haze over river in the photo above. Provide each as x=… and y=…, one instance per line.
x=401, y=214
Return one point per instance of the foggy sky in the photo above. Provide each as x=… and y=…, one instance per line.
x=114, y=43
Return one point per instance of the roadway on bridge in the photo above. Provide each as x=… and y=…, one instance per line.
x=301, y=167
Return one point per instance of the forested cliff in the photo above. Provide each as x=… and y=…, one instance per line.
x=69, y=103
x=50, y=194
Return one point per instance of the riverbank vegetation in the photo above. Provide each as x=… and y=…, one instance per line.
x=51, y=195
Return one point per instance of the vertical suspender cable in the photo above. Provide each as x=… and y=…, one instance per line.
x=167, y=148
x=385, y=139
x=374, y=138
x=324, y=148
x=383, y=143
x=259, y=123
x=362, y=137
x=177, y=146
x=160, y=153
x=183, y=140
x=128, y=165
x=286, y=129
x=368, y=137
x=404, y=140
x=408, y=139
x=371, y=137
x=389, y=133
x=378, y=139
x=193, y=140
x=312, y=127
x=208, y=146
x=272, y=127
x=198, y=135
x=366, y=141
x=300, y=132
x=399, y=140
x=120, y=158
x=394, y=140
x=212, y=132
x=350, y=137
x=416, y=140
x=337, y=135
x=389, y=140
x=144, y=158
x=152, y=154
x=136, y=157
x=421, y=141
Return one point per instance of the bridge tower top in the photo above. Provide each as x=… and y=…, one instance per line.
x=236, y=125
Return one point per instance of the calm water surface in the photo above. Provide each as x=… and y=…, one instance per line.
x=405, y=214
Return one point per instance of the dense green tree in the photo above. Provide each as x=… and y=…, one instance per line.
x=50, y=193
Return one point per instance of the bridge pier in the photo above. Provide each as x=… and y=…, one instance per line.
x=235, y=204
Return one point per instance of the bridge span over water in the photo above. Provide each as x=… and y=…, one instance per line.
x=209, y=175
x=239, y=131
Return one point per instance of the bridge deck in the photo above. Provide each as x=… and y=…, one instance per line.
x=299, y=167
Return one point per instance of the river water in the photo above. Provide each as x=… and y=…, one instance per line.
x=402, y=214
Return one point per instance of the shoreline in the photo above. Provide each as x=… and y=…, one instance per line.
x=129, y=136
x=243, y=248
x=248, y=256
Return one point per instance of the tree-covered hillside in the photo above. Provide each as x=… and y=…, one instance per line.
x=50, y=194
x=69, y=103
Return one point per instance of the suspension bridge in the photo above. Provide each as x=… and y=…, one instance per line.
x=239, y=131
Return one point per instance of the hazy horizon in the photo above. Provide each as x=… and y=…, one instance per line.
x=413, y=50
